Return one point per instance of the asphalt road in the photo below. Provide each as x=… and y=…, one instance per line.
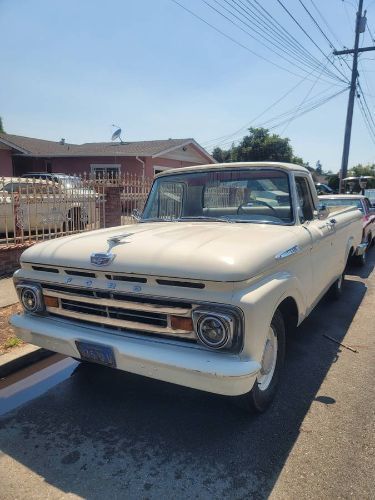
x=96, y=433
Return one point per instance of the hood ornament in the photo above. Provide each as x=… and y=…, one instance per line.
x=102, y=258
x=105, y=258
x=115, y=240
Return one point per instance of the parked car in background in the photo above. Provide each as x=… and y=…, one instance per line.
x=370, y=194
x=323, y=189
x=203, y=289
x=368, y=218
x=35, y=205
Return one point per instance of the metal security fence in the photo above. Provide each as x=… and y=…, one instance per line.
x=134, y=193
x=35, y=209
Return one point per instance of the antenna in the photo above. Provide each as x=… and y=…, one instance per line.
x=116, y=134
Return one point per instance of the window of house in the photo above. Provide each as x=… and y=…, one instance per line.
x=101, y=171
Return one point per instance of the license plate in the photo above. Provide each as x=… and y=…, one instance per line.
x=96, y=353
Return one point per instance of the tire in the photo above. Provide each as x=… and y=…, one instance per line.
x=335, y=292
x=264, y=389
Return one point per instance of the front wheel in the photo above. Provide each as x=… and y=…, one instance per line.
x=265, y=386
x=335, y=292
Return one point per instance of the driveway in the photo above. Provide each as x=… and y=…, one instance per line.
x=95, y=433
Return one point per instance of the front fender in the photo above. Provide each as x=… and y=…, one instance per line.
x=260, y=301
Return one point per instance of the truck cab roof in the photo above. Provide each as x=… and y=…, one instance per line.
x=289, y=167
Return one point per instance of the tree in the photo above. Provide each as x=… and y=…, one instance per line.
x=333, y=181
x=221, y=155
x=258, y=145
x=364, y=170
x=2, y=131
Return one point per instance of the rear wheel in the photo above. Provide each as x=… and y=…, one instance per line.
x=360, y=260
x=265, y=386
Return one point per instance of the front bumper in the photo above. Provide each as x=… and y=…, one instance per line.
x=219, y=373
x=361, y=249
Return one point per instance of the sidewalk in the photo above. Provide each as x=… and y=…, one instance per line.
x=8, y=294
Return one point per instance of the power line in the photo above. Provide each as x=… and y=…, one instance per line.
x=278, y=27
x=247, y=124
x=320, y=29
x=325, y=22
x=366, y=105
x=312, y=108
x=366, y=120
x=268, y=29
x=281, y=119
x=316, y=24
x=251, y=35
x=309, y=37
x=303, y=101
x=245, y=47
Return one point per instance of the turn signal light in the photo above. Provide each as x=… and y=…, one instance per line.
x=180, y=323
x=51, y=301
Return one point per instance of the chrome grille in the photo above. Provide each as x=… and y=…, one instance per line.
x=116, y=313
x=119, y=311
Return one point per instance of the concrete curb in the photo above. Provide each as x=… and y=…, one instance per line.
x=21, y=357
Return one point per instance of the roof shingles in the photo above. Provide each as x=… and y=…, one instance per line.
x=40, y=147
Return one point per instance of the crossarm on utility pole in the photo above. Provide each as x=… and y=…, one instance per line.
x=351, y=51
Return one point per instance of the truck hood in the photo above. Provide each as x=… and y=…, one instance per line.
x=212, y=251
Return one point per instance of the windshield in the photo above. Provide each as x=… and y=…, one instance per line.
x=340, y=202
x=69, y=181
x=261, y=195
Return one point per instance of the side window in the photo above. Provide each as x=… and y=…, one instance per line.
x=305, y=202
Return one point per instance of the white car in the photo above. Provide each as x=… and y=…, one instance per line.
x=33, y=205
x=203, y=289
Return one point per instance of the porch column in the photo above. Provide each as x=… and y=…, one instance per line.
x=111, y=215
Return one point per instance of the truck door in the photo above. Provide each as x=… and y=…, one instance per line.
x=322, y=233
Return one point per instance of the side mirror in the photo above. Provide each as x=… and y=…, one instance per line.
x=322, y=212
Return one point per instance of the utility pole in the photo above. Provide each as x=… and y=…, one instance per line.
x=353, y=86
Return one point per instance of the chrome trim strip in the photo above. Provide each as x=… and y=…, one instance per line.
x=119, y=323
x=120, y=304
x=287, y=253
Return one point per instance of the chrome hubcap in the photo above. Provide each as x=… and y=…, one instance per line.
x=269, y=359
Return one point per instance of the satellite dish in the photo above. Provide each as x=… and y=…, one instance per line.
x=116, y=135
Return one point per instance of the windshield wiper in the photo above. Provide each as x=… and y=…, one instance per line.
x=260, y=222
x=206, y=218
x=183, y=219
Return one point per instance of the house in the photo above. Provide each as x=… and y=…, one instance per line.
x=19, y=155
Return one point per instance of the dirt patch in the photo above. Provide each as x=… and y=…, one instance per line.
x=8, y=339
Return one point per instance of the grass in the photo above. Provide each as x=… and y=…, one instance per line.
x=12, y=342
x=8, y=338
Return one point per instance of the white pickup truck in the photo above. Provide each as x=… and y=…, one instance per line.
x=200, y=292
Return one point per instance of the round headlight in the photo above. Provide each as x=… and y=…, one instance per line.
x=30, y=299
x=213, y=331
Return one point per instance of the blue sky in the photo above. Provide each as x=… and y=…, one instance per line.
x=73, y=68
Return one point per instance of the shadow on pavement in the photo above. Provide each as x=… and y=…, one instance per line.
x=104, y=433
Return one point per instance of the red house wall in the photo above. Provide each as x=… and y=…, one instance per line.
x=6, y=166
x=81, y=165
